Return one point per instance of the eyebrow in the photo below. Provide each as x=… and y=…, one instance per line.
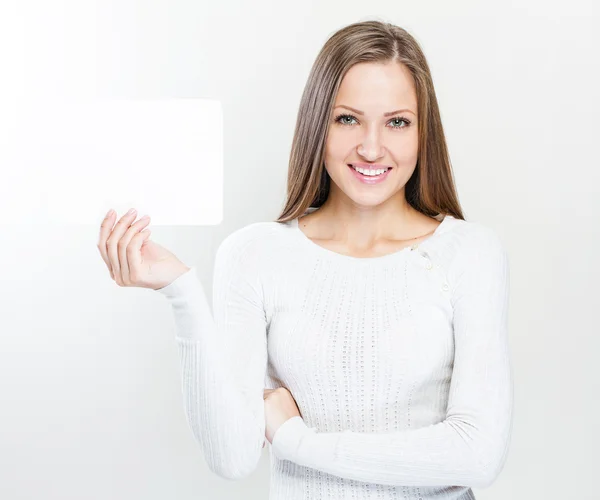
x=384, y=114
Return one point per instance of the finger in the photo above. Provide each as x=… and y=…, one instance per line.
x=113, y=240
x=105, y=229
x=123, y=248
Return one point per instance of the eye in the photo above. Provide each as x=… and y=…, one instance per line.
x=398, y=120
x=340, y=118
x=401, y=120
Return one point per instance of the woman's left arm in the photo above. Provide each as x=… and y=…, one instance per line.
x=469, y=447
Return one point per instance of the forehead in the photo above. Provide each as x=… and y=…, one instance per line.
x=371, y=86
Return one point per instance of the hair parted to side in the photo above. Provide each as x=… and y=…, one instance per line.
x=431, y=189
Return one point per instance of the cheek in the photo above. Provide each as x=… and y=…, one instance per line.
x=405, y=149
x=339, y=145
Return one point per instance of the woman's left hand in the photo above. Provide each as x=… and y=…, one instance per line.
x=280, y=406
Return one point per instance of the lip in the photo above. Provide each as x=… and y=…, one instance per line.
x=369, y=180
x=369, y=166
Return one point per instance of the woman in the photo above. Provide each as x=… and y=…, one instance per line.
x=374, y=313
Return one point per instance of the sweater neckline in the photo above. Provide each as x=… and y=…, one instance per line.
x=445, y=220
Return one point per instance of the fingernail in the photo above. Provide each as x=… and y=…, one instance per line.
x=131, y=210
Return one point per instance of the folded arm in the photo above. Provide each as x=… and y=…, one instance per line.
x=467, y=448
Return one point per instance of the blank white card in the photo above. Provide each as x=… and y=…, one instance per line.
x=68, y=162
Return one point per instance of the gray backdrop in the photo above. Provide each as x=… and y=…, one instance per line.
x=91, y=403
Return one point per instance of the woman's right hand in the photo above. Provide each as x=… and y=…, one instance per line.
x=132, y=258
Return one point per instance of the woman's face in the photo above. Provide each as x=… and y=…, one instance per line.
x=366, y=135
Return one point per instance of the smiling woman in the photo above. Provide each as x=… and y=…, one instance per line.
x=375, y=315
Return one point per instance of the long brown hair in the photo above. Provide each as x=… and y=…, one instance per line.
x=431, y=188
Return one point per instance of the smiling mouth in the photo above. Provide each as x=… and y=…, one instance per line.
x=371, y=175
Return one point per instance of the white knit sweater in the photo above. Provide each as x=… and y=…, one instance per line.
x=399, y=364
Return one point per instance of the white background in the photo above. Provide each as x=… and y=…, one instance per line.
x=91, y=403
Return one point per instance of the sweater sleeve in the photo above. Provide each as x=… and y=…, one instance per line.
x=223, y=358
x=467, y=448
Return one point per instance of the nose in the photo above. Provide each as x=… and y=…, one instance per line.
x=371, y=147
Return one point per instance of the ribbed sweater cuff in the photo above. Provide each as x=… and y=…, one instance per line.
x=184, y=285
x=296, y=442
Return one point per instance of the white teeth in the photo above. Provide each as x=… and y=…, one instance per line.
x=370, y=173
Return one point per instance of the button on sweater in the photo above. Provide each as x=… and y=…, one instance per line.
x=399, y=364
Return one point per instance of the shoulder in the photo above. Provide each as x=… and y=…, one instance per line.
x=474, y=247
x=471, y=236
x=462, y=243
x=252, y=240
